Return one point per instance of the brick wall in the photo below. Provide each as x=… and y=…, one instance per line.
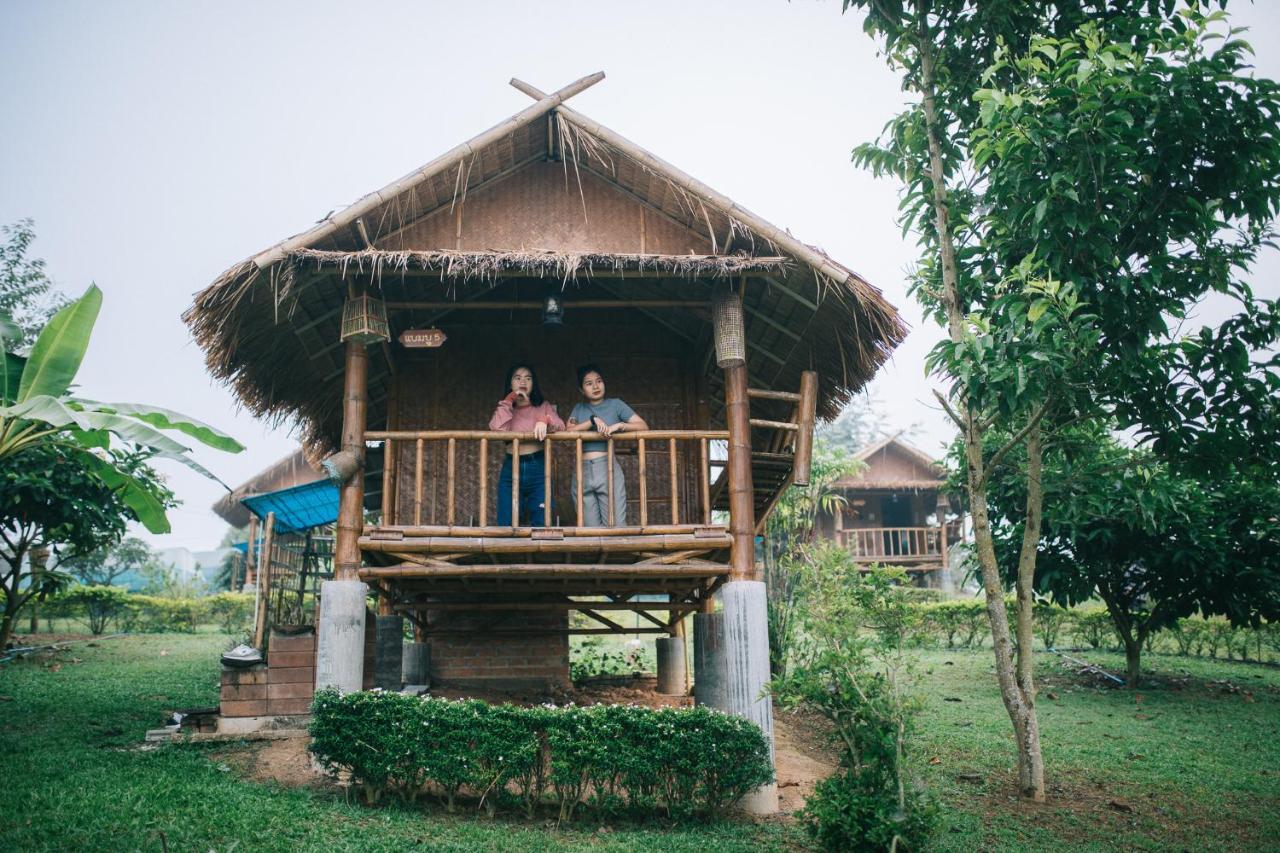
x=284, y=685
x=502, y=661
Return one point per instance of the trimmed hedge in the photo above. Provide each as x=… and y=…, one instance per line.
x=609, y=759
x=100, y=606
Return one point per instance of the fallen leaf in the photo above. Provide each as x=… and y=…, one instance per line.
x=935, y=760
x=1053, y=696
x=970, y=777
x=55, y=667
x=164, y=652
x=952, y=699
x=6, y=698
x=1141, y=717
x=1121, y=807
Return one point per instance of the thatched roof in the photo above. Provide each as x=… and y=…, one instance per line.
x=269, y=324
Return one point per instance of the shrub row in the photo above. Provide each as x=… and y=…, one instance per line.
x=611, y=759
x=963, y=624
x=103, y=606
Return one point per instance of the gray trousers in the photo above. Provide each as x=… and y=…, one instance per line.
x=595, y=494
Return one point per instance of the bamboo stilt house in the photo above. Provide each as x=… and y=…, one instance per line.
x=645, y=263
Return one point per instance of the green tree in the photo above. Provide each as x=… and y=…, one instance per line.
x=37, y=407
x=852, y=667
x=1069, y=203
x=48, y=498
x=1154, y=544
x=105, y=565
x=27, y=295
x=788, y=532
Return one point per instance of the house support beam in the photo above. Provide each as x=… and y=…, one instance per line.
x=744, y=628
x=388, y=652
x=340, y=640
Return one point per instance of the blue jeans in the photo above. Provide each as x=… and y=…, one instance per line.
x=533, y=491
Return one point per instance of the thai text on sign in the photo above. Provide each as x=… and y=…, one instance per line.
x=423, y=338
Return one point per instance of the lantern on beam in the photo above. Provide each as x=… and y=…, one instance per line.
x=364, y=320
x=730, y=330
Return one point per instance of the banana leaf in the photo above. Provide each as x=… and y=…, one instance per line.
x=145, y=505
x=167, y=419
x=56, y=356
x=11, y=378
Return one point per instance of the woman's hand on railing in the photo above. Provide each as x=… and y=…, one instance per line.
x=540, y=430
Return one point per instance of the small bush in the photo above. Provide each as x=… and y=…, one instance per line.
x=1093, y=627
x=610, y=759
x=99, y=605
x=233, y=611
x=152, y=614
x=848, y=811
x=958, y=623
x=1050, y=620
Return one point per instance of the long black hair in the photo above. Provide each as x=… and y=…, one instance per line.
x=535, y=393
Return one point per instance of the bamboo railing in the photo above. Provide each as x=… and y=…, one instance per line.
x=673, y=445
x=912, y=543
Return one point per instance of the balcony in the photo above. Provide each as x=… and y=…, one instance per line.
x=912, y=547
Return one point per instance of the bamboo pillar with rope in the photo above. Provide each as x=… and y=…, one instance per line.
x=731, y=356
x=346, y=550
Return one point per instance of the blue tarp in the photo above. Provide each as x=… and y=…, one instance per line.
x=299, y=507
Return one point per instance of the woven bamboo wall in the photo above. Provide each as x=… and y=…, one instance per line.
x=458, y=386
x=538, y=208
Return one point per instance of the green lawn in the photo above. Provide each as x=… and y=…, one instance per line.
x=1193, y=764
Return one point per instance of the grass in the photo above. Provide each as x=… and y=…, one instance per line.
x=1191, y=762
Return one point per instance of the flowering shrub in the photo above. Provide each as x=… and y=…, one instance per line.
x=609, y=759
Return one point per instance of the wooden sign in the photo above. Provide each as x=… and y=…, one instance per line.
x=423, y=338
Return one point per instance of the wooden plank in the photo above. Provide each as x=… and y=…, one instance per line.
x=490, y=605
x=451, y=481
x=398, y=534
x=484, y=482
x=609, y=482
x=543, y=571
x=704, y=479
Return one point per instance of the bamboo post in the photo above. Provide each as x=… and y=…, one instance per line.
x=264, y=591
x=346, y=548
x=705, y=479
x=250, y=566
x=546, y=483
x=578, y=462
x=450, y=480
x=386, y=482
x=741, y=500
x=515, y=482
x=806, y=410
x=609, y=480
x=644, y=485
x=417, y=481
x=484, y=482
x=675, y=493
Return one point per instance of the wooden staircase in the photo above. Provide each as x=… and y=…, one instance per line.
x=781, y=450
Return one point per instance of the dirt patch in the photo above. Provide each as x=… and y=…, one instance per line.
x=285, y=762
x=803, y=755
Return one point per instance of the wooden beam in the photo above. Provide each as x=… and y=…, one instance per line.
x=569, y=303
x=542, y=571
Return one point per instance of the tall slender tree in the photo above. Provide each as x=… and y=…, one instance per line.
x=1059, y=233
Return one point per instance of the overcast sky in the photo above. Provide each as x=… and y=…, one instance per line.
x=156, y=144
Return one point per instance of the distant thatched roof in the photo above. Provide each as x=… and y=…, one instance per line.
x=268, y=325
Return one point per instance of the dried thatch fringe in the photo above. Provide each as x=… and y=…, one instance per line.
x=488, y=266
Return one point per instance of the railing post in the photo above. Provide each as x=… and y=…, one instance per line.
x=546, y=482
x=642, y=475
x=675, y=489
x=484, y=482
x=515, y=482
x=450, y=480
x=417, y=482
x=578, y=496
x=704, y=477
x=609, y=479
x=806, y=412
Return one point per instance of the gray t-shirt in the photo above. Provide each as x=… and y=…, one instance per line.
x=611, y=410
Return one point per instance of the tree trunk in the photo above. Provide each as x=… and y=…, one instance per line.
x=1016, y=687
x=1132, y=662
x=39, y=558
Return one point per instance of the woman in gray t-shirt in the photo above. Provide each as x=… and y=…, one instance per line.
x=605, y=415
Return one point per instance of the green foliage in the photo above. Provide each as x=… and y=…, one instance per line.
x=789, y=532
x=1094, y=626
x=26, y=293
x=1050, y=620
x=103, y=566
x=100, y=604
x=961, y=623
x=594, y=656
x=150, y=614
x=233, y=611
x=43, y=411
x=851, y=667
x=613, y=759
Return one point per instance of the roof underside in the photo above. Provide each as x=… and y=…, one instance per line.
x=270, y=325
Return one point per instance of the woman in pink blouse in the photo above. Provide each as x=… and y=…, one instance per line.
x=523, y=409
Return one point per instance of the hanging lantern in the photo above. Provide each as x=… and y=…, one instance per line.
x=730, y=332
x=553, y=311
x=364, y=320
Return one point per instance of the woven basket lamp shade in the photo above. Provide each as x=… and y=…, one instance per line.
x=364, y=320
x=731, y=337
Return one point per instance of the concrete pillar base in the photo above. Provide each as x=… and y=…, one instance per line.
x=340, y=638
x=388, y=654
x=708, y=660
x=416, y=664
x=745, y=631
x=671, y=666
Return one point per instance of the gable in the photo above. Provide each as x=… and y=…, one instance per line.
x=548, y=206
